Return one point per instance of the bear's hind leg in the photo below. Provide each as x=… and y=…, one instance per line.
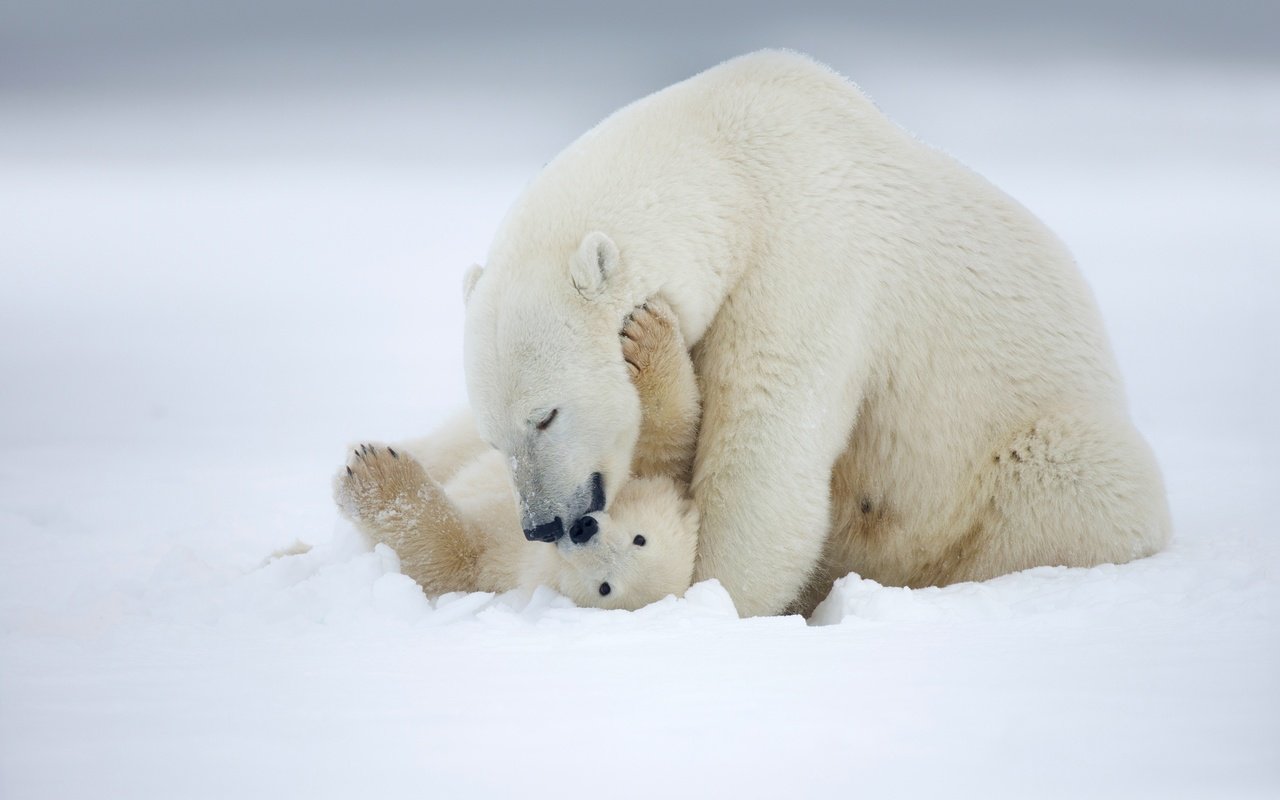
x=1073, y=490
x=390, y=497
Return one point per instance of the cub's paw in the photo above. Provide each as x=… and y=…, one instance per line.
x=380, y=486
x=651, y=340
x=663, y=376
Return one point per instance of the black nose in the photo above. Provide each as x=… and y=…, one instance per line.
x=546, y=532
x=583, y=530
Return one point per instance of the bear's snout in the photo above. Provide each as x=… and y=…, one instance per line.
x=583, y=530
x=546, y=532
x=587, y=499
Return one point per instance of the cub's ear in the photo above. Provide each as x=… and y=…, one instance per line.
x=593, y=264
x=469, y=280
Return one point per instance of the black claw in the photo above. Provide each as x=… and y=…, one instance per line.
x=357, y=452
x=392, y=452
x=349, y=472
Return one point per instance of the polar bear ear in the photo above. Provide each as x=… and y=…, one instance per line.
x=469, y=281
x=590, y=267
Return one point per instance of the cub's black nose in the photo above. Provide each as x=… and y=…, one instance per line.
x=583, y=530
x=546, y=532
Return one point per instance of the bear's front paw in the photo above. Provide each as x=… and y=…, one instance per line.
x=379, y=485
x=650, y=336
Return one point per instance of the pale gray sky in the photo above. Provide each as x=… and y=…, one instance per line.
x=70, y=43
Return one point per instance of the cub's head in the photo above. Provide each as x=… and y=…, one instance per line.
x=547, y=381
x=642, y=550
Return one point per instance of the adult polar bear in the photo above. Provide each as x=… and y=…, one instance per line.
x=903, y=373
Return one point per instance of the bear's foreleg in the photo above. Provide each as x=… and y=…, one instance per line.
x=765, y=504
x=778, y=406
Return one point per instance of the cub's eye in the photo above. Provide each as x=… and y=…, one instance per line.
x=638, y=541
x=605, y=588
x=548, y=419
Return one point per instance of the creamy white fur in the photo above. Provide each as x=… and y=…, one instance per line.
x=903, y=372
x=445, y=503
x=463, y=533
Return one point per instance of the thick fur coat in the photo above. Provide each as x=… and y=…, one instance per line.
x=903, y=372
x=445, y=503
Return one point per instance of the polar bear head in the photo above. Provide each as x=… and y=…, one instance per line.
x=547, y=381
x=642, y=551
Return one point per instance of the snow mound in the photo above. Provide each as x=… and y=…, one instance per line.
x=1182, y=575
x=341, y=582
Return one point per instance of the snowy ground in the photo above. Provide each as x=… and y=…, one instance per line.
x=207, y=293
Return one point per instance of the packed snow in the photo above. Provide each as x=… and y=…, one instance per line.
x=207, y=294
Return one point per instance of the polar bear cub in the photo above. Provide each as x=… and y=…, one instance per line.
x=451, y=513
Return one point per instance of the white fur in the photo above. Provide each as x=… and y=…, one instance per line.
x=653, y=508
x=462, y=532
x=903, y=372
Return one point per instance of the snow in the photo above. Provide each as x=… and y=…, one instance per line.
x=208, y=294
